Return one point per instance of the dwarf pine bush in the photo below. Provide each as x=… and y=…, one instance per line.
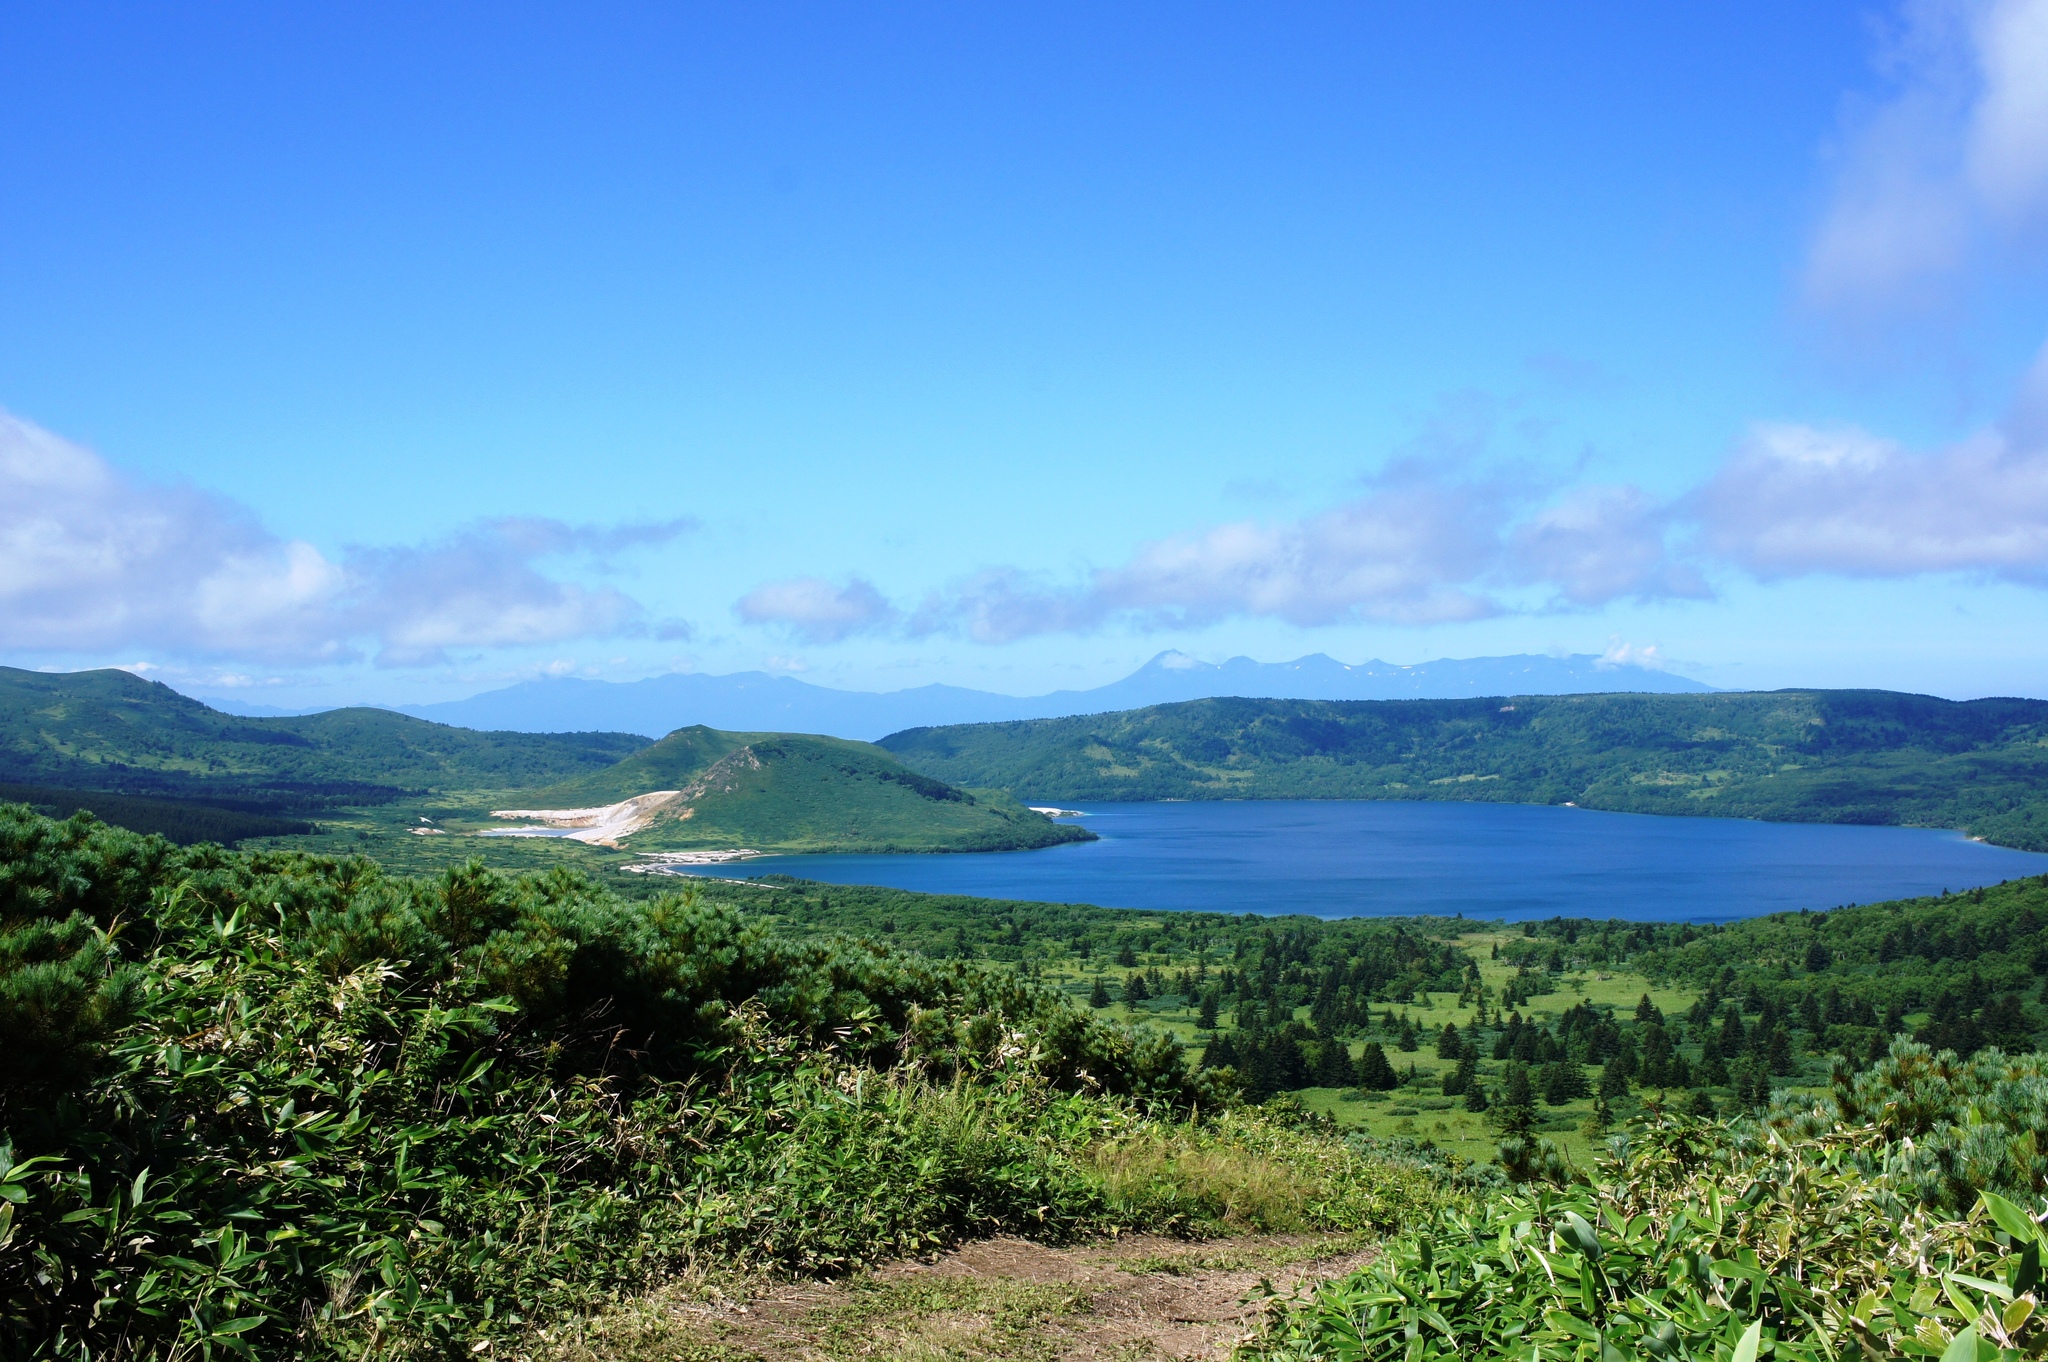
x=272, y=1105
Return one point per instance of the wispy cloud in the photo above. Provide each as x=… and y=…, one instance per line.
x=91, y=560
x=815, y=610
x=1445, y=542
x=1955, y=156
x=1599, y=544
x=1425, y=543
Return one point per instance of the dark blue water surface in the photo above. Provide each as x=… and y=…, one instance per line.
x=1337, y=858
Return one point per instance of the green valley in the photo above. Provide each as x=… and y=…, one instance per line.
x=1795, y=756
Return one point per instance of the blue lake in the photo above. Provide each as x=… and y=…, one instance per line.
x=1335, y=858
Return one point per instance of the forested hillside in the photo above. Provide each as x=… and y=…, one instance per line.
x=1799, y=756
x=798, y=792
x=139, y=754
x=113, y=731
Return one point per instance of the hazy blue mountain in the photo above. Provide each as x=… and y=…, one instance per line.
x=759, y=702
x=246, y=709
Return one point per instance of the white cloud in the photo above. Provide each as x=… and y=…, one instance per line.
x=1645, y=655
x=1958, y=150
x=815, y=610
x=1421, y=547
x=2008, y=135
x=1599, y=544
x=1798, y=499
x=90, y=561
x=1405, y=553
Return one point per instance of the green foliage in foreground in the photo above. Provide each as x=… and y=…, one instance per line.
x=1880, y=1223
x=1798, y=756
x=276, y=1105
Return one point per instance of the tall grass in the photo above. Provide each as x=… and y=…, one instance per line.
x=1245, y=1172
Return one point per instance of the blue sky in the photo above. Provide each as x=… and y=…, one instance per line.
x=395, y=354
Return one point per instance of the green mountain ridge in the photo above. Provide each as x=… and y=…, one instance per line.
x=110, y=730
x=802, y=792
x=140, y=754
x=1872, y=757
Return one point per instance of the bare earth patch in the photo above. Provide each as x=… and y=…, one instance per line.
x=1140, y=1297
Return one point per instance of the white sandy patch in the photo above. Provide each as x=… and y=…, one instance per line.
x=602, y=826
x=1050, y=812
x=671, y=862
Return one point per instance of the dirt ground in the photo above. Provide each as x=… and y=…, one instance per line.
x=1138, y=1297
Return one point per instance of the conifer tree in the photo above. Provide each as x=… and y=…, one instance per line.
x=1615, y=1074
x=1135, y=990
x=1465, y=1077
x=1334, y=1068
x=1778, y=1051
x=1126, y=958
x=1374, y=1071
x=1207, y=1018
x=1448, y=1045
x=1564, y=1081
x=1099, y=995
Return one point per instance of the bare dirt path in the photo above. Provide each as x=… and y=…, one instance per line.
x=1139, y=1297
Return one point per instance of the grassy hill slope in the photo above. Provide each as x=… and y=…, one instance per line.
x=1793, y=756
x=110, y=730
x=795, y=792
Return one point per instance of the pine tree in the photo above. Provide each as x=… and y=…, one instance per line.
x=1098, y=996
x=1374, y=1071
x=1475, y=1097
x=1515, y=1116
x=1614, y=1076
x=1466, y=1076
x=1410, y=1041
x=1519, y=1093
x=1448, y=1045
x=1207, y=1018
x=1135, y=990
x=1334, y=1068
x=1564, y=1081
x=1126, y=958
x=1778, y=1051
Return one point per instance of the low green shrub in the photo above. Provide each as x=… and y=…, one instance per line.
x=1946, y=1127
x=290, y=1106
x=1829, y=1231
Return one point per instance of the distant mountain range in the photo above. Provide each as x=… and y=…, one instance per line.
x=759, y=702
